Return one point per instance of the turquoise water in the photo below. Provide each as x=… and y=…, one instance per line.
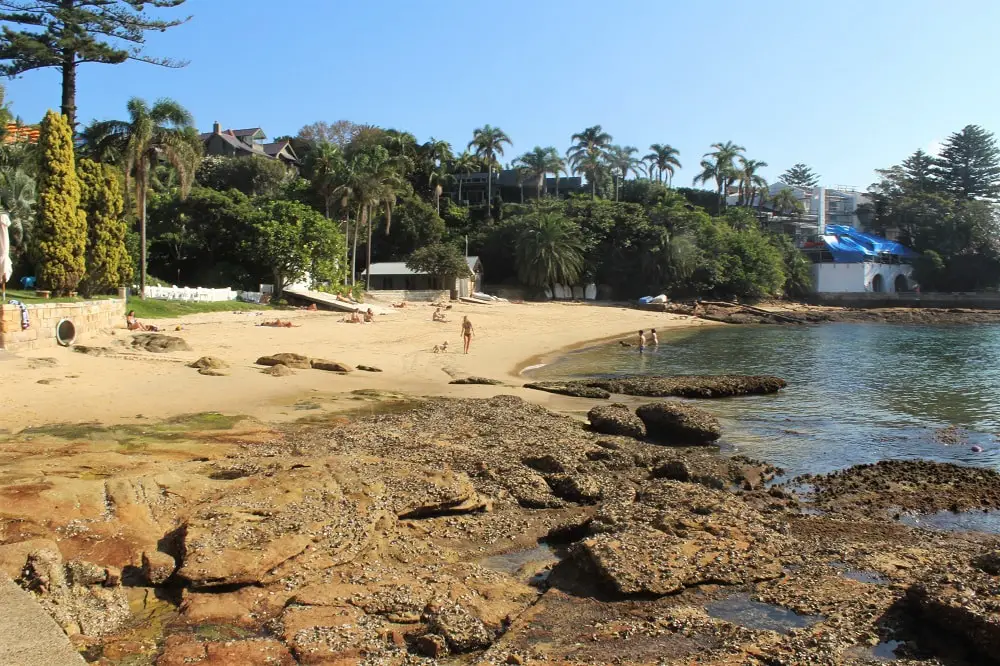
x=857, y=393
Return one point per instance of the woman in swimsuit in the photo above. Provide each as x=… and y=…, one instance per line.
x=467, y=332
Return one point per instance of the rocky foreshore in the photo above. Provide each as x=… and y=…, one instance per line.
x=795, y=313
x=490, y=532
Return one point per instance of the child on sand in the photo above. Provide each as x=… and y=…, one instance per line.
x=369, y=317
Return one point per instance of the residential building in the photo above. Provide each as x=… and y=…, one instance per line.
x=395, y=276
x=820, y=206
x=18, y=133
x=507, y=184
x=247, y=143
x=845, y=260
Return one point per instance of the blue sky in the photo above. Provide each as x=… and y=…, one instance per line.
x=846, y=86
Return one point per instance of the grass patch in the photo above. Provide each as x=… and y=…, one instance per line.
x=150, y=308
x=28, y=297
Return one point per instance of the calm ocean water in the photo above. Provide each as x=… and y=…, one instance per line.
x=856, y=393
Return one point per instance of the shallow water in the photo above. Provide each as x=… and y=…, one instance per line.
x=857, y=393
x=963, y=521
x=742, y=610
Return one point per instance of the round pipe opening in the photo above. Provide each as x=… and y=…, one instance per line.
x=65, y=332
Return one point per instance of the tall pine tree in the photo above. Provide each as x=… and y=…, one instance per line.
x=60, y=226
x=969, y=164
x=800, y=176
x=108, y=262
x=64, y=34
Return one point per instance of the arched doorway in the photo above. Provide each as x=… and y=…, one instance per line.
x=901, y=284
x=878, y=283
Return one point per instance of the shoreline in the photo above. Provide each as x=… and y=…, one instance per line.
x=124, y=385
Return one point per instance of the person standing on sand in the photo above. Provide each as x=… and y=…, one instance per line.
x=642, y=341
x=467, y=332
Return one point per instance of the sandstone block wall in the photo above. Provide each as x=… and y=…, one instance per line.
x=89, y=317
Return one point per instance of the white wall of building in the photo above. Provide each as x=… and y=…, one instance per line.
x=833, y=278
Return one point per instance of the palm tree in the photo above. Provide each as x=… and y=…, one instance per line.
x=372, y=183
x=587, y=154
x=162, y=132
x=488, y=142
x=557, y=165
x=663, y=157
x=438, y=153
x=623, y=160
x=720, y=167
x=549, y=251
x=465, y=163
x=325, y=166
x=784, y=201
x=18, y=193
x=750, y=182
x=438, y=179
x=537, y=164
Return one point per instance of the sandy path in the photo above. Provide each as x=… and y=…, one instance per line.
x=76, y=387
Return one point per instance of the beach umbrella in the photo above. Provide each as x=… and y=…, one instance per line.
x=6, y=267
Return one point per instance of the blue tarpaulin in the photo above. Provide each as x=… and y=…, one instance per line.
x=848, y=245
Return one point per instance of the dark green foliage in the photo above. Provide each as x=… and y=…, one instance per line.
x=415, y=224
x=929, y=271
x=108, y=263
x=969, y=164
x=800, y=176
x=253, y=176
x=445, y=262
x=61, y=227
x=64, y=33
x=197, y=240
x=798, y=273
x=294, y=241
x=549, y=250
x=945, y=206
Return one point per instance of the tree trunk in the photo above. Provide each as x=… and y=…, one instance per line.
x=347, y=246
x=489, y=188
x=368, y=270
x=541, y=186
x=521, y=186
x=460, y=191
x=437, y=200
x=557, y=185
x=593, y=185
x=354, y=252
x=69, y=89
x=142, y=241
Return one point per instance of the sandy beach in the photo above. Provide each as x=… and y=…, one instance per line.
x=58, y=385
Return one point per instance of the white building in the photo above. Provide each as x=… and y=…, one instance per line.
x=820, y=205
x=845, y=260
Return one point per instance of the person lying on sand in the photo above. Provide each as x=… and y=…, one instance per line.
x=355, y=317
x=133, y=324
x=401, y=304
x=277, y=323
x=438, y=316
x=346, y=299
x=369, y=317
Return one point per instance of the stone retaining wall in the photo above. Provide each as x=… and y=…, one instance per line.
x=88, y=317
x=909, y=299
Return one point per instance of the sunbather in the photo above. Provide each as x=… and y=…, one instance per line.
x=133, y=324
